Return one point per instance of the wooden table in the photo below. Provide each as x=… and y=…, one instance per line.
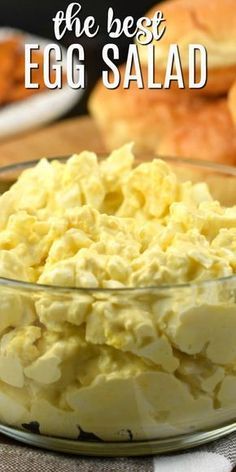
x=60, y=139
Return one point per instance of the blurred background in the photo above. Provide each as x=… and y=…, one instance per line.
x=199, y=124
x=35, y=17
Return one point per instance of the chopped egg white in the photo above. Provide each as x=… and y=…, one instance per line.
x=150, y=360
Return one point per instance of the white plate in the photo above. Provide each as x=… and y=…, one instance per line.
x=41, y=108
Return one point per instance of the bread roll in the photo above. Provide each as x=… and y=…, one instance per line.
x=140, y=115
x=211, y=23
x=169, y=122
x=208, y=134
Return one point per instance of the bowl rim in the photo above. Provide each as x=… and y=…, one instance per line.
x=35, y=287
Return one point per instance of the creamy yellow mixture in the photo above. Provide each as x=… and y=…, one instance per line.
x=119, y=364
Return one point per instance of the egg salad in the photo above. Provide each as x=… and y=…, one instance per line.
x=126, y=325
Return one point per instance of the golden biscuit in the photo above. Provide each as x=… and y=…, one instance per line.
x=12, y=71
x=19, y=92
x=212, y=24
x=8, y=54
x=208, y=134
x=140, y=115
x=170, y=122
x=19, y=71
x=5, y=87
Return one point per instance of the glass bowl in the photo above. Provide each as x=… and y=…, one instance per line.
x=159, y=394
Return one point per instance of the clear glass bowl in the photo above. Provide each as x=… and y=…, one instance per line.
x=185, y=398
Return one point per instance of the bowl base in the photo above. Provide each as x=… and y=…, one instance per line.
x=116, y=449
